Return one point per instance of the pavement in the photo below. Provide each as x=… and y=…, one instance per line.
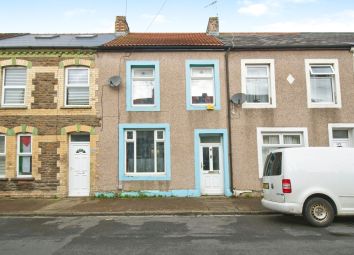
x=130, y=206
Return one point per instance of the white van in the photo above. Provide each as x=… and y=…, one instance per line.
x=313, y=181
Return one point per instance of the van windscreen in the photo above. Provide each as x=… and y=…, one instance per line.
x=273, y=164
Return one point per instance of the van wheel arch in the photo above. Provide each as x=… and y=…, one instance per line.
x=320, y=196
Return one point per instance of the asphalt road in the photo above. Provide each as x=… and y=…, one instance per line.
x=274, y=234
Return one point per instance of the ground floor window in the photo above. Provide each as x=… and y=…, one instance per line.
x=341, y=135
x=2, y=155
x=24, y=155
x=144, y=150
x=270, y=139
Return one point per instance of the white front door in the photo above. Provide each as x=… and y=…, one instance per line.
x=79, y=169
x=211, y=169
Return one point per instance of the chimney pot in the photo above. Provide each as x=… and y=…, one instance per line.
x=213, y=26
x=121, y=25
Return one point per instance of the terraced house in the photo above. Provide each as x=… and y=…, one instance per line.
x=48, y=114
x=171, y=114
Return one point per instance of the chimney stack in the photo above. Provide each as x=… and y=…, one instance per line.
x=121, y=25
x=213, y=26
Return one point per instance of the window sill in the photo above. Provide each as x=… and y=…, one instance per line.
x=4, y=179
x=20, y=178
x=76, y=107
x=258, y=106
x=202, y=108
x=13, y=107
x=324, y=106
x=143, y=109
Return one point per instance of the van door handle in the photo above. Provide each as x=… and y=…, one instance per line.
x=272, y=186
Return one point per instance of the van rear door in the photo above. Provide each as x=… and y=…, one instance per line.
x=272, y=178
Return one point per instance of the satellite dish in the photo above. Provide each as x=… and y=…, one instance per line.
x=238, y=98
x=114, y=81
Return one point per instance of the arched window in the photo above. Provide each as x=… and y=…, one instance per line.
x=2, y=154
x=24, y=155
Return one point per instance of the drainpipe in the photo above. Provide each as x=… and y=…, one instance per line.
x=229, y=114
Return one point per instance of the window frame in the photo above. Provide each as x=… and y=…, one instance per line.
x=18, y=154
x=281, y=132
x=336, y=93
x=134, y=140
x=271, y=79
x=156, y=176
x=3, y=154
x=130, y=65
x=3, y=87
x=66, y=85
x=216, y=77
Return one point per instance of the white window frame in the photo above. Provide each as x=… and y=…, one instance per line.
x=153, y=78
x=3, y=154
x=336, y=87
x=202, y=78
x=17, y=87
x=66, y=85
x=18, y=154
x=156, y=140
x=338, y=126
x=276, y=131
x=272, y=92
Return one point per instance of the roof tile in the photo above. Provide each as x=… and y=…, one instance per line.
x=165, y=39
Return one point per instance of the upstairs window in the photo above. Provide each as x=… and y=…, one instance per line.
x=24, y=155
x=258, y=83
x=77, y=88
x=323, y=89
x=322, y=84
x=14, y=86
x=202, y=84
x=143, y=86
x=2, y=155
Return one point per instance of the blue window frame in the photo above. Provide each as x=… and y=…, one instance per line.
x=144, y=152
x=142, y=86
x=202, y=84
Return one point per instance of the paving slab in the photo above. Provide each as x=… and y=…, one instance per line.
x=131, y=206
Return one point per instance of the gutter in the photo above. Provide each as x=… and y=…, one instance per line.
x=227, y=76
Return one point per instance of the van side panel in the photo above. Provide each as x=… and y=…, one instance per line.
x=328, y=171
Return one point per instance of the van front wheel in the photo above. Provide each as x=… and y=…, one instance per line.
x=319, y=212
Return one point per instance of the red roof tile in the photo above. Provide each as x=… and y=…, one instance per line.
x=165, y=39
x=9, y=35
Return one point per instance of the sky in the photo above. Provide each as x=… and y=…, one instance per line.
x=93, y=16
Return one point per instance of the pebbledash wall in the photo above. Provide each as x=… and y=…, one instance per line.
x=291, y=113
x=172, y=113
x=46, y=118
